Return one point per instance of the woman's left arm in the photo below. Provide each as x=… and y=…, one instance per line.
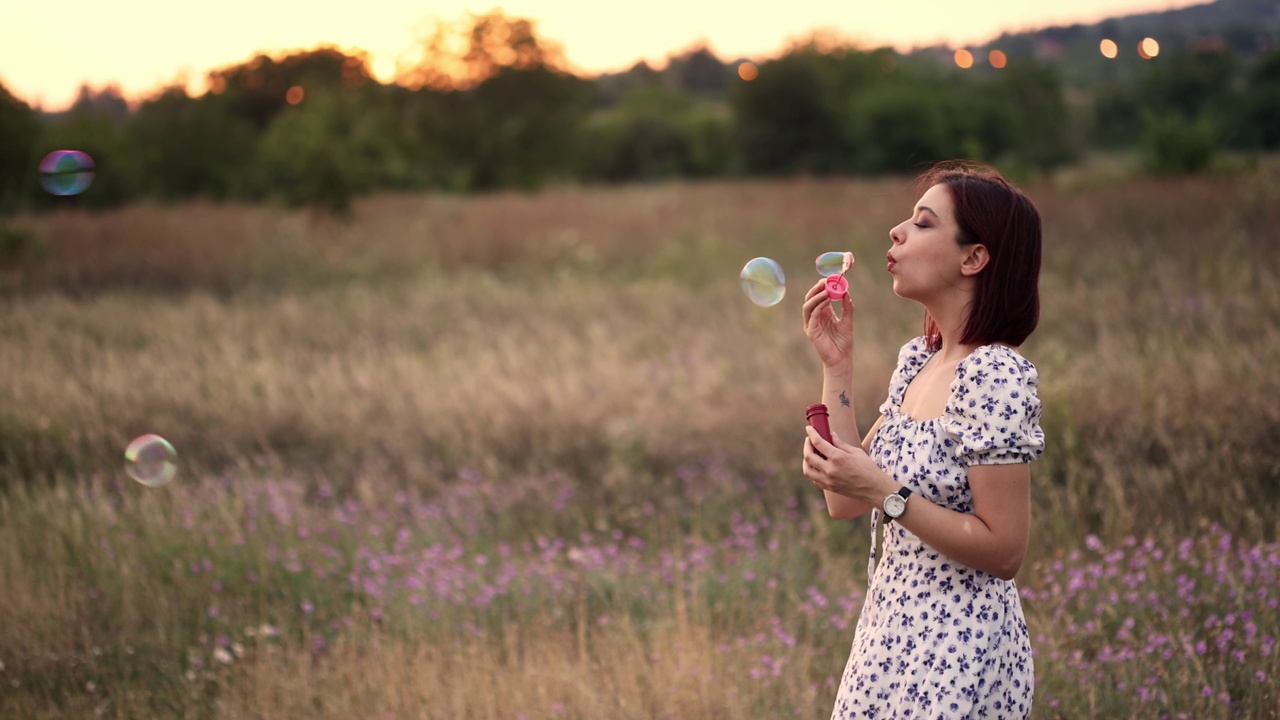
x=993, y=539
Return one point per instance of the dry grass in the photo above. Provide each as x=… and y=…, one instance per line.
x=567, y=365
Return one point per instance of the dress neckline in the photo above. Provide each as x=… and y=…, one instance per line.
x=924, y=355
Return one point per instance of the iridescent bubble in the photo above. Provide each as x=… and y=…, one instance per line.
x=151, y=460
x=66, y=172
x=763, y=281
x=834, y=263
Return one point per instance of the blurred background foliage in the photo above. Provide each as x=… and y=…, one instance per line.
x=488, y=105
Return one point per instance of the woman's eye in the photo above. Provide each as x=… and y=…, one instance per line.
x=920, y=225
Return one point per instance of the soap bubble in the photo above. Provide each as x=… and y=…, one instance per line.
x=834, y=263
x=763, y=281
x=151, y=460
x=66, y=172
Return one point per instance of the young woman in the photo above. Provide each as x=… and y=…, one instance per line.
x=944, y=471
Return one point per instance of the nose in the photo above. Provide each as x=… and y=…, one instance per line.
x=896, y=236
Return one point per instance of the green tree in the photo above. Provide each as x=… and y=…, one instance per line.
x=658, y=132
x=185, y=147
x=1175, y=145
x=20, y=128
x=327, y=150
x=1261, y=106
x=1038, y=116
x=519, y=128
x=97, y=129
x=900, y=127
x=790, y=118
x=258, y=90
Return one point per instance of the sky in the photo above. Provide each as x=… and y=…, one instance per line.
x=49, y=48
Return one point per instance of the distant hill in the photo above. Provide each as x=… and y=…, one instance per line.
x=1248, y=28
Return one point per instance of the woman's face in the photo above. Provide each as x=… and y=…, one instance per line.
x=925, y=258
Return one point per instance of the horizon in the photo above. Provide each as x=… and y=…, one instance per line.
x=110, y=46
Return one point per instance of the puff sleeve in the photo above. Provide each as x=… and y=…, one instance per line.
x=993, y=415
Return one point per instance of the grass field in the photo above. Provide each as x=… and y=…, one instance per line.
x=537, y=456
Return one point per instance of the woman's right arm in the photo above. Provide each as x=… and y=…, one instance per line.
x=837, y=394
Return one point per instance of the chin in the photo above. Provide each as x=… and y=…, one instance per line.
x=897, y=290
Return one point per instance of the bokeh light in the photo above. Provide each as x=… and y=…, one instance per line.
x=1109, y=48
x=295, y=95
x=748, y=71
x=997, y=59
x=66, y=172
x=151, y=460
x=763, y=281
x=964, y=59
x=1148, y=48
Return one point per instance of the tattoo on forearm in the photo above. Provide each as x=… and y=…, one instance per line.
x=844, y=399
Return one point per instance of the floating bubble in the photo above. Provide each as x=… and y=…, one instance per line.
x=151, y=460
x=834, y=263
x=66, y=172
x=763, y=281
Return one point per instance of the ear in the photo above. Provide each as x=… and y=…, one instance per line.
x=974, y=260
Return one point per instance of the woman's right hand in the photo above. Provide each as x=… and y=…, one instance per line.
x=830, y=336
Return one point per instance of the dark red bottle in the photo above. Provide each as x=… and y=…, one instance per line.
x=818, y=418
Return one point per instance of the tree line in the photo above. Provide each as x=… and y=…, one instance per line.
x=491, y=106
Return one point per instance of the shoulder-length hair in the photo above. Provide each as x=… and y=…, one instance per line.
x=992, y=212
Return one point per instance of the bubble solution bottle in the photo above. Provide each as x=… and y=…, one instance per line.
x=818, y=418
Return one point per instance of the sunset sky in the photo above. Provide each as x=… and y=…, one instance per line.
x=47, y=49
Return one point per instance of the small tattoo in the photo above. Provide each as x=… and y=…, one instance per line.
x=844, y=399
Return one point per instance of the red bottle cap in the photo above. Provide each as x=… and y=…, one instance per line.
x=817, y=409
x=837, y=287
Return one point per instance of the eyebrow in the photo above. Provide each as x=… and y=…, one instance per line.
x=930, y=210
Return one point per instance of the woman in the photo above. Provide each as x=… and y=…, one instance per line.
x=944, y=471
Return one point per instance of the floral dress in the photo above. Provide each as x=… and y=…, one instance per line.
x=937, y=639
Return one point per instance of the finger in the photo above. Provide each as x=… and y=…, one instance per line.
x=818, y=444
x=814, y=300
x=846, y=305
x=819, y=286
x=811, y=458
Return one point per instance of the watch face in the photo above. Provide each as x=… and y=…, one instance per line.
x=894, y=505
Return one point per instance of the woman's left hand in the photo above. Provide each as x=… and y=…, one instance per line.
x=845, y=470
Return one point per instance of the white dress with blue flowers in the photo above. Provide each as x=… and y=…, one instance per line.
x=937, y=639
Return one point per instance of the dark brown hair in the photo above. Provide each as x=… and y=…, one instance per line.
x=992, y=212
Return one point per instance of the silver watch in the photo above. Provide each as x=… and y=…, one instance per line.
x=896, y=504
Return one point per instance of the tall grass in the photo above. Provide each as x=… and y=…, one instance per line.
x=537, y=455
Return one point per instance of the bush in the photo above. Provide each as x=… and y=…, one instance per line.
x=1172, y=145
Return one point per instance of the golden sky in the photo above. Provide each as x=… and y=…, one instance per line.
x=49, y=47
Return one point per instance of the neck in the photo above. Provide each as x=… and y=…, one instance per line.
x=950, y=317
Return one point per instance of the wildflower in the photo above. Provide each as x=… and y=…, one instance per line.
x=221, y=655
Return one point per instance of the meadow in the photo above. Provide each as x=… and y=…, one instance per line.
x=536, y=456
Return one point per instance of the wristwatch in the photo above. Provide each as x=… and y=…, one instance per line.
x=896, y=504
